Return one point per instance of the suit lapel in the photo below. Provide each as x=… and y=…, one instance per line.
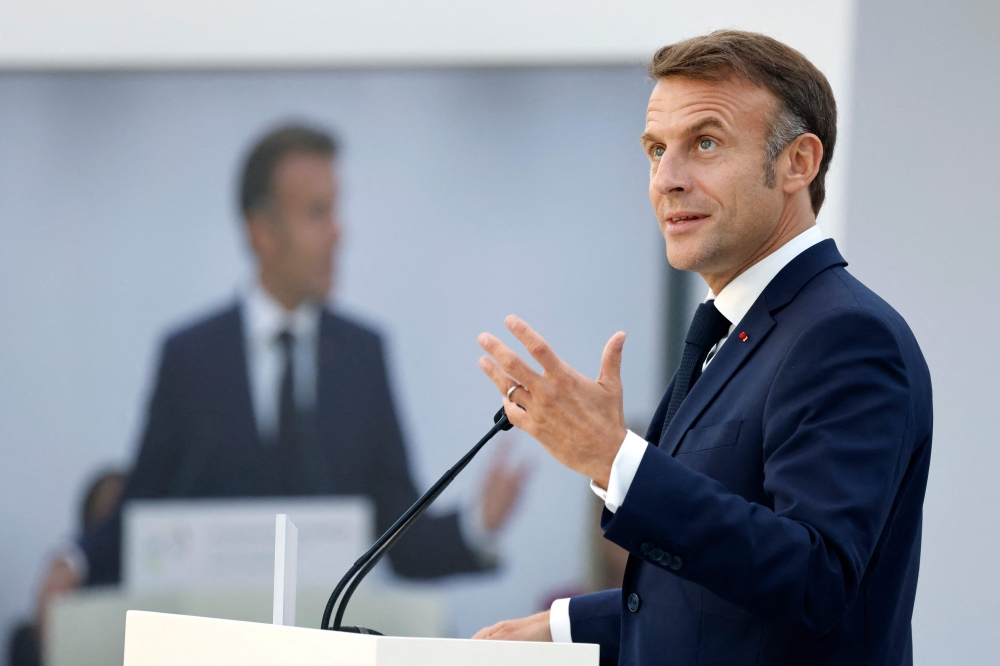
x=757, y=324
x=327, y=351
x=656, y=425
x=326, y=357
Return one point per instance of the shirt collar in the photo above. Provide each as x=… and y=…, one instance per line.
x=266, y=318
x=737, y=297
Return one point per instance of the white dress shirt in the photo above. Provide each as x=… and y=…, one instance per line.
x=263, y=321
x=733, y=302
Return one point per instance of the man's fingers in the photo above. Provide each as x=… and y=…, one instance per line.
x=534, y=343
x=502, y=380
x=533, y=628
x=498, y=632
x=520, y=398
x=611, y=359
x=516, y=408
x=483, y=634
x=512, y=364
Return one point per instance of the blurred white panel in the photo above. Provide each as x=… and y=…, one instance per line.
x=117, y=34
x=230, y=543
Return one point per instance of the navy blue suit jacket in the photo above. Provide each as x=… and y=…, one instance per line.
x=777, y=520
x=201, y=441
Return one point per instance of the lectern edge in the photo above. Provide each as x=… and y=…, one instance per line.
x=160, y=639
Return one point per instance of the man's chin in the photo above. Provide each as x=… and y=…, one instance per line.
x=318, y=292
x=684, y=257
x=322, y=292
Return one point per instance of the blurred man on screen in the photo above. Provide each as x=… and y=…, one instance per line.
x=277, y=395
x=772, y=512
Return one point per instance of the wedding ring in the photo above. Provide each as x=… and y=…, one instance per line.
x=511, y=390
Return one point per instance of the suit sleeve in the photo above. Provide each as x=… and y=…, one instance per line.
x=433, y=546
x=597, y=618
x=834, y=426
x=156, y=466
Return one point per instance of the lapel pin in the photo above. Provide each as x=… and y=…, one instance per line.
x=743, y=336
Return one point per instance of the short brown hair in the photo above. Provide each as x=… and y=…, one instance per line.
x=260, y=164
x=805, y=96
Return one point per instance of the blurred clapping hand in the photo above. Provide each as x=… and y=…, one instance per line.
x=503, y=487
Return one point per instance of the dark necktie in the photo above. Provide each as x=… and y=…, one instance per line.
x=707, y=328
x=287, y=413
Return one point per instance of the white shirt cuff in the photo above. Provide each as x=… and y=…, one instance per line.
x=559, y=621
x=623, y=470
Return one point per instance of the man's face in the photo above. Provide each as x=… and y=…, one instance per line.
x=297, y=239
x=705, y=143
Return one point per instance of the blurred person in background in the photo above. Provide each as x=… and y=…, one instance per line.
x=277, y=395
x=98, y=502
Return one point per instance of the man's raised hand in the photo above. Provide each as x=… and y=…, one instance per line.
x=581, y=422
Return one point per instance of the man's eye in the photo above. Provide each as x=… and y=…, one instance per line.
x=706, y=144
x=658, y=152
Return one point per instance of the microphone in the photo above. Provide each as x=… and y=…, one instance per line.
x=367, y=562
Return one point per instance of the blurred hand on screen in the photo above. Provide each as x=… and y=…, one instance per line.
x=60, y=579
x=504, y=487
x=532, y=628
x=580, y=421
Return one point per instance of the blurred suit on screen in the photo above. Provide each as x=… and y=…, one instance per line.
x=277, y=395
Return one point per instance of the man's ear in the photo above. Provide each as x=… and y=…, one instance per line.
x=801, y=160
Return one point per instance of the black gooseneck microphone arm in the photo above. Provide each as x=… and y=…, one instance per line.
x=366, y=562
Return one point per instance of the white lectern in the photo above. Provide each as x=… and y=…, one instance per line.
x=158, y=639
x=161, y=639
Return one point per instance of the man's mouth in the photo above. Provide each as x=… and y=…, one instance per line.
x=687, y=217
x=678, y=223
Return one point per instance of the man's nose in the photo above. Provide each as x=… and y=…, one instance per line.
x=671, y=175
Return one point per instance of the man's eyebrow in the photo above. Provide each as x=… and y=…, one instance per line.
x=704, y=124
x=696, y=128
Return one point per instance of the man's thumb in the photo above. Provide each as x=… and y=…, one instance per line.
x=611, y=359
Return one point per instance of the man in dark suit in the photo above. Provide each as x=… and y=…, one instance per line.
x=276, y=395
x=772, y=512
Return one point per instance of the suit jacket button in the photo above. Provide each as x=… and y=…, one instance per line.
x=676, y=563
x=645, y=548
x=634, y=602
x=656, y=554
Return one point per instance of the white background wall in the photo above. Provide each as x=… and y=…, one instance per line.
x=469, y=193
x=924, y=209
